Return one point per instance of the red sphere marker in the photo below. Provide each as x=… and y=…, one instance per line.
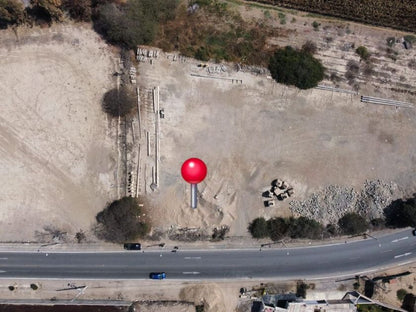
x=194, y=171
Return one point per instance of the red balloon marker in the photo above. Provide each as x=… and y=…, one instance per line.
x=194, y=171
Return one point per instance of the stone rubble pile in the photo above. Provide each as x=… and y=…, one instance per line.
x=331, y=203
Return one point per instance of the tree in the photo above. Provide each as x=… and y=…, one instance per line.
x=47, y=9
x=109, y=21
x=78, y=9
x=122, y=220
x=401, y=293
x=11, y=12
x=133, y=23
x=119, y=102
x=352, y=223
x=362, y=52
x=298, y=68
x=258, y=228
x=303, y=227
x=401, y=213
x=277, y=228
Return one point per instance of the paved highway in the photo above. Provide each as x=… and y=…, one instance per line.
x=309, y=262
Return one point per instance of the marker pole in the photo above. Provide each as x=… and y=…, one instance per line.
x=194, y=198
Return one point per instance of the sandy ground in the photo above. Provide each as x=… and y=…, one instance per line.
x=57, y=158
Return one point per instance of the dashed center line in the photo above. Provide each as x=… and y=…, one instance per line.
x=403, y=255
x=399, y=239
x=192, y=258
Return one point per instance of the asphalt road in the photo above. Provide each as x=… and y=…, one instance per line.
x=323, y=261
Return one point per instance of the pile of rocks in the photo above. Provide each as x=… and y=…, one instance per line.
x=331, y=203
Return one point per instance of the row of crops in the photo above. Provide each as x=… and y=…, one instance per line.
x=400, y=14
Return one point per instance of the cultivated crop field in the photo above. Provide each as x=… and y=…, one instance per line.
x=396, y=14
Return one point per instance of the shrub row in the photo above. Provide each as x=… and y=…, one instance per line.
x=400, y=213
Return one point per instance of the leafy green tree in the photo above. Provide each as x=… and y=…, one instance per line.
x=298, y=68
x=122, y=220
x=352, y=223
x=258, y=228
x=119, y=102
x=401, y=293
x=11, y=12
x=362, y=52
x=277, y=228
x=303, y=227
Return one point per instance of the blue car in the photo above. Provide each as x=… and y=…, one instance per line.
x=157, y=275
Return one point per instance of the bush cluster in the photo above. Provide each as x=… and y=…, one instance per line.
x=278, y=228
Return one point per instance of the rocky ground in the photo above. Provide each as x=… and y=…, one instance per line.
x=331, y=203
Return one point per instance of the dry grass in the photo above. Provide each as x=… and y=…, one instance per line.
x=216, y=32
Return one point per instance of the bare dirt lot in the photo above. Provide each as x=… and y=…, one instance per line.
x=57, y=157
x=252, y=132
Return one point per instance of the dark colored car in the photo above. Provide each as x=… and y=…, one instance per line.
x=414, y=232
x=132, y=246
x=157, y=275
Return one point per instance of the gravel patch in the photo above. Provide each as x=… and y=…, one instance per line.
x=331, y=203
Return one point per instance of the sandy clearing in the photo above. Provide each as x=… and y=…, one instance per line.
x=57, y=154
